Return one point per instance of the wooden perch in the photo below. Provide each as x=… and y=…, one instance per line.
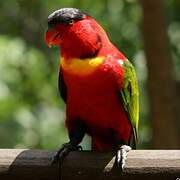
x=141, y=164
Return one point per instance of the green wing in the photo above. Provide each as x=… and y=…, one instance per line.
x=130, y=97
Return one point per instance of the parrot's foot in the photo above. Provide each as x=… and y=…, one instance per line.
x=64, y=151
x=121, y=156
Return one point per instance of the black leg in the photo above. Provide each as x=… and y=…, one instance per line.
x=64, y=150
x=75, y=138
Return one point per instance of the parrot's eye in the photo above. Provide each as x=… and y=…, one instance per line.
x=71, y=21
x=66, y=16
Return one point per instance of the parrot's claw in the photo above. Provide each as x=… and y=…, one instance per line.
x=121, y=156
x=64, y=151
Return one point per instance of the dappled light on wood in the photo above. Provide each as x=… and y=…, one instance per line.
x=24, y=164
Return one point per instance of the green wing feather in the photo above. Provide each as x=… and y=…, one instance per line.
x=130, y=97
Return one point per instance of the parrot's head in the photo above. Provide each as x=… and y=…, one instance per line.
x=77, y=34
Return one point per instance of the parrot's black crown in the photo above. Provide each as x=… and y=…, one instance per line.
x=65, y=16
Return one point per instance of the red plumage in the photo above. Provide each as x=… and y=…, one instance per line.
x=94, y=98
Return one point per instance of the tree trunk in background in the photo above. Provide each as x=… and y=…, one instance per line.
x=161, y=85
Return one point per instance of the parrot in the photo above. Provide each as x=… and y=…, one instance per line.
x=97, y=83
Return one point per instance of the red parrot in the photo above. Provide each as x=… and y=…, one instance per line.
x=97, y=83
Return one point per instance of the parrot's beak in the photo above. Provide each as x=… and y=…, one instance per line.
x=52, y=37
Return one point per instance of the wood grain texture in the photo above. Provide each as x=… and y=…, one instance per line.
x=25, y=164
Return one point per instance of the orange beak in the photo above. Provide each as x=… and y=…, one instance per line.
x=52, y=37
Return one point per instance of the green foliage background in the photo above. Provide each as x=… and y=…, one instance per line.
x=31, y=111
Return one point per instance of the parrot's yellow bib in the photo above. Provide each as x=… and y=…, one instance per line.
x=81, y=66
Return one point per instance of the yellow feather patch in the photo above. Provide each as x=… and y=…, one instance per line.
x=81, y=66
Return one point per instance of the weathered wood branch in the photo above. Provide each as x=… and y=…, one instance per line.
x=36, y=165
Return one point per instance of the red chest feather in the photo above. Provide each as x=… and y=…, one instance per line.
x=94, y=99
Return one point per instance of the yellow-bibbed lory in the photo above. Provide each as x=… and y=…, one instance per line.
x=97, y=83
